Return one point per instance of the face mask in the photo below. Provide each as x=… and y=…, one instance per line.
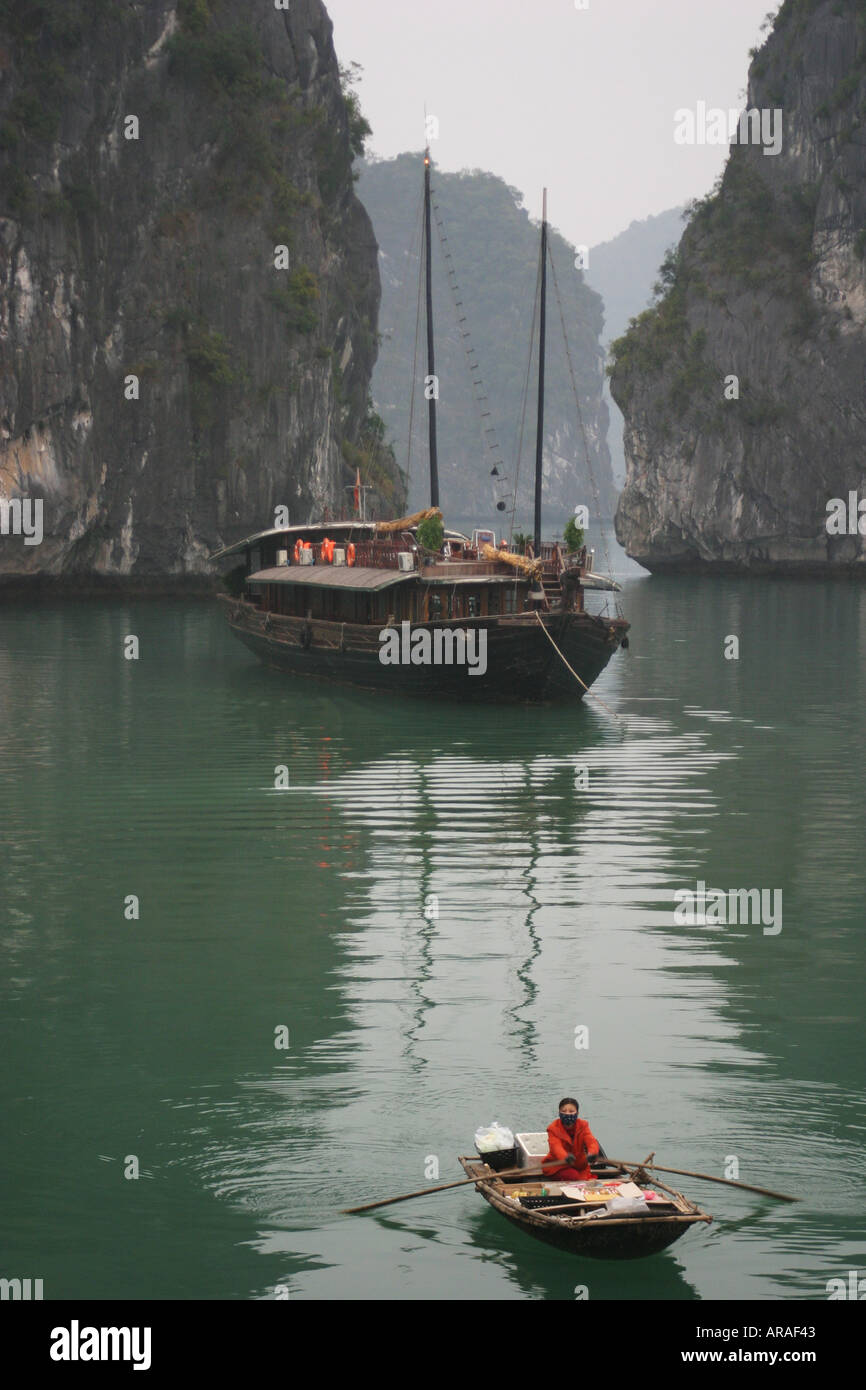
x=568, y=1120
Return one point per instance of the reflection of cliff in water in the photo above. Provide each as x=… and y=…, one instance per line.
x=149, y=1034
x=793, y=801
x=555, y=900
x=513, y=819
x=551, y=892
x=536, y=1270
x=565, y=1279
x=435, y=784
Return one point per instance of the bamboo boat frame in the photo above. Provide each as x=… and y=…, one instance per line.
x=594, y=1235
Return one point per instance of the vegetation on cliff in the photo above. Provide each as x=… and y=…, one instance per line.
x=742, y=383
x=190, y=279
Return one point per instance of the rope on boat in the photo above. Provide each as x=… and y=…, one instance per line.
x=589, y=467
x=479, y=390
x=572, y=670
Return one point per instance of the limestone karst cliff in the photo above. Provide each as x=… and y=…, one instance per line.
x=768, y=286
x=166, y=378
x=623, y=271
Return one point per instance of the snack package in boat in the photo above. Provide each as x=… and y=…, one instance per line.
x=491, y=1139
x=589, y=1191
x=616, y=1196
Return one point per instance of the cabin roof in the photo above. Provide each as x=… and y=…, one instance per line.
x=325, y=527
x=333, y=577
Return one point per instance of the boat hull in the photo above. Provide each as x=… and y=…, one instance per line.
x=608, y=1238
x=522, y=665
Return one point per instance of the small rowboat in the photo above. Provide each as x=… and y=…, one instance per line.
x=588, y=1225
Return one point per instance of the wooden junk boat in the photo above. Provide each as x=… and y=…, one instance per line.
x=468, y=622
x=589, y=1227
x=366, y=604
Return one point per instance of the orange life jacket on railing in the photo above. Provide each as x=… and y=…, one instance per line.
x=350, y=553
x=299, y=545
x=328, y=548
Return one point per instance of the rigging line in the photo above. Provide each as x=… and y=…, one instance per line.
x=589, y=468
x=479, y=394
x=399, y=318
x=572, y=670
x=519, y=453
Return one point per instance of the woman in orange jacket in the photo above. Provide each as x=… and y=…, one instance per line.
x=572, y=1141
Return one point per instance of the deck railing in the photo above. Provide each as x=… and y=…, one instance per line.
x=372, y=554
x=575, y=559
x=552, y=559
x=384, y=554
x=380, y=554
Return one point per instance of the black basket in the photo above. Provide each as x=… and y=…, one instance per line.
x=502, y=1158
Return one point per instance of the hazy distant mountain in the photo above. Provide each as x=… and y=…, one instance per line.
x=495, y=248
x=623, y=271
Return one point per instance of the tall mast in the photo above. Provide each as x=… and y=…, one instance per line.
x=539, y=442
x=431, y=364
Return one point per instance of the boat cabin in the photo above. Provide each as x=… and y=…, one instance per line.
x=358, y=573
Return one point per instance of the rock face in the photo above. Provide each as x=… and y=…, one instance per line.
x=494, y=249
x=623, y=271
x=167, y=377
x=768, y=286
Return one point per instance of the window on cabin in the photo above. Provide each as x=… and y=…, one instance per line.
x=435, y=608
x=510, y=597
x=473, y=606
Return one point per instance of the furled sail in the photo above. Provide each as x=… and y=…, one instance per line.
x=406, y=523
x=518, y=562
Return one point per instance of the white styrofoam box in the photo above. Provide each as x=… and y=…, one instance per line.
x=339, y=557
x=405, y=560
x=282, y=558
x=531, y=1148
x=306, y=557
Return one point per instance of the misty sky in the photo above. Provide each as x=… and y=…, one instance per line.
x=541, y=92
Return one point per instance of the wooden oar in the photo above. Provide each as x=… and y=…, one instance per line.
x=705, y=1177
x=443, y=1187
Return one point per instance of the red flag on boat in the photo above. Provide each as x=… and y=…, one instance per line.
x=357, y=489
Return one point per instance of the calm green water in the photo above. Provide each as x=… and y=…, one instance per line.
x=304, y=907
